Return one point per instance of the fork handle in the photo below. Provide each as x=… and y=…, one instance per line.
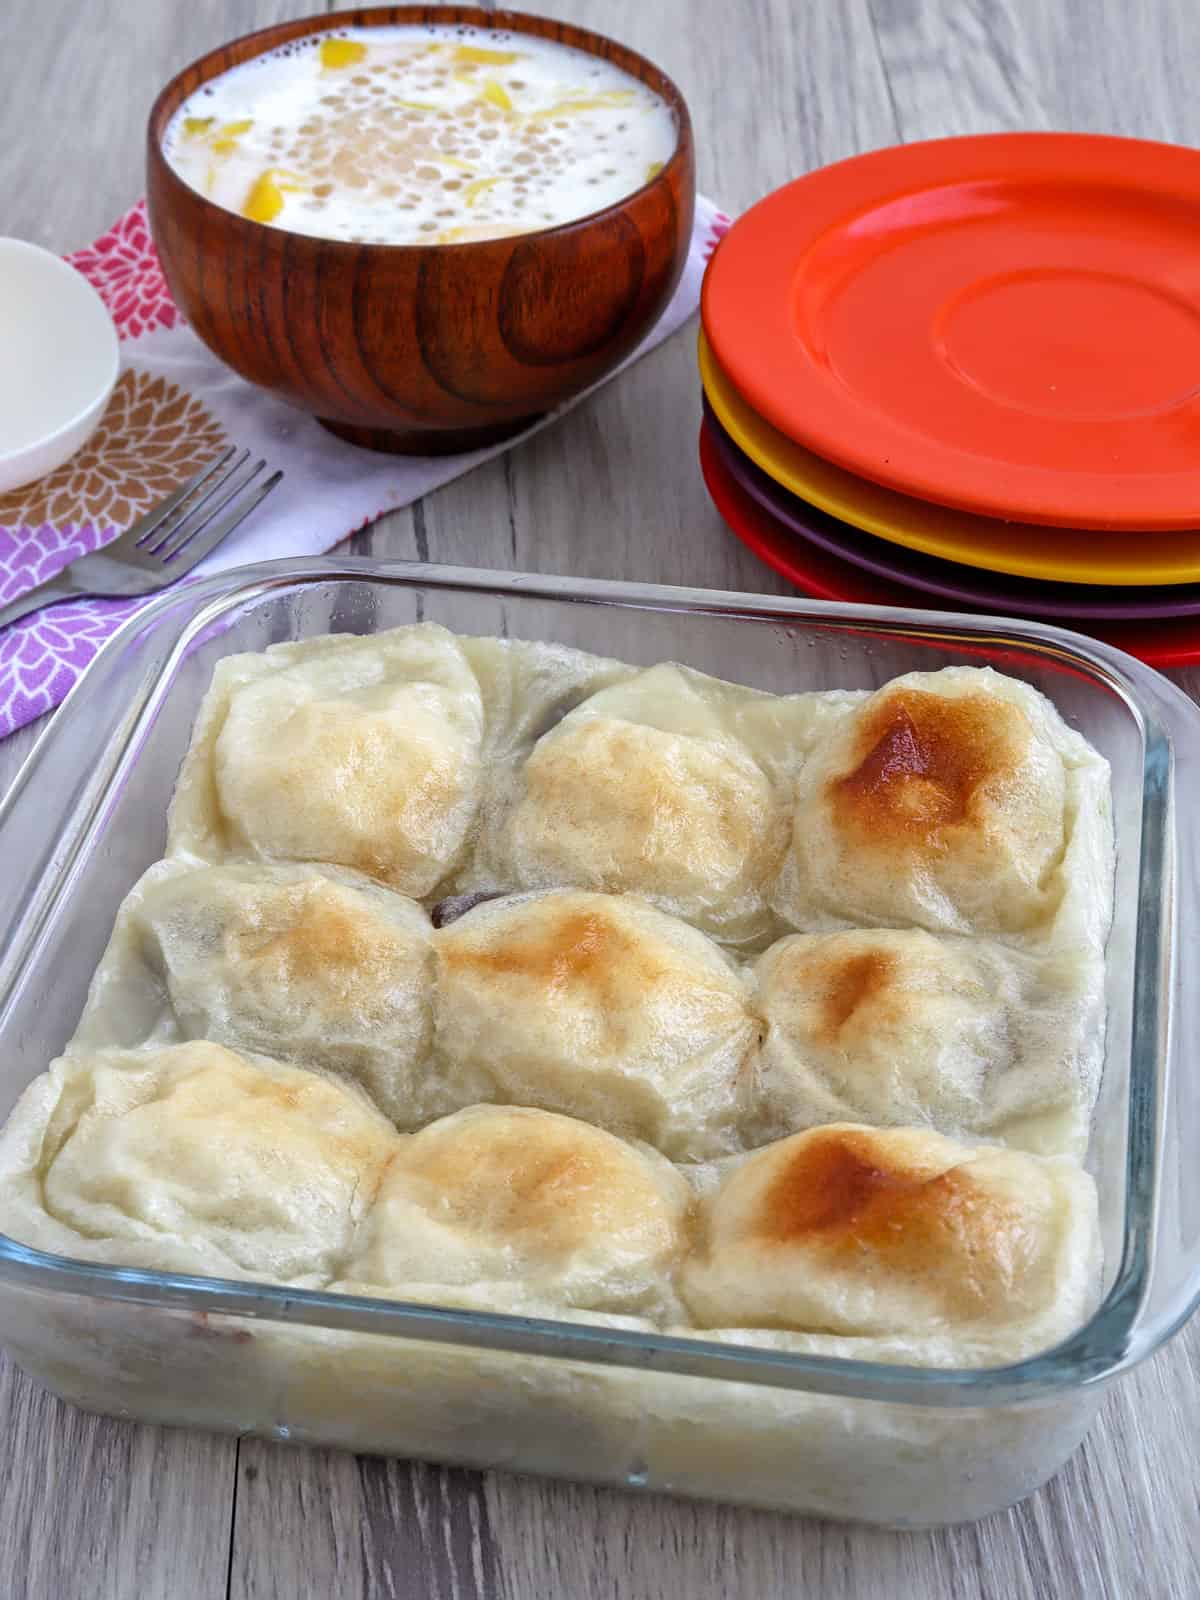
x=46, y=594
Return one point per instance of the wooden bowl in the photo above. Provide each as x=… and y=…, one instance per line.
x=423, y=349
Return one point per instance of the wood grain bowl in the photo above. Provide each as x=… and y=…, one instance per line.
x=423, y=349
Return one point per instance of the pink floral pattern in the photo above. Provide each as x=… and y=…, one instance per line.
x=720, y=226
x=123, y=266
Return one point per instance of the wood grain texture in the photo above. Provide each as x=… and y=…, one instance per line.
x=91, y=1508
x=371, y=339
x=98, y=1508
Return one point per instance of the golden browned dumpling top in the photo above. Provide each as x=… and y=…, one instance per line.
x=855, y=1230
x=654, y=787
x=193, y=1157
x=899, y=1027
x=942, y=800
x=600, y=1007
x=509, y=1195
x=362, y=752
x=311, y=964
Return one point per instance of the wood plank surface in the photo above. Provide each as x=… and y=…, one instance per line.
x=95, y=1508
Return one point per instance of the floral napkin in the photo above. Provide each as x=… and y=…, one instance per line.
x=175, y=405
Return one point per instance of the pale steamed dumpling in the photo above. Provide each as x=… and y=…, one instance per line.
x=865, y=1231
x=362, y=752
x=941, y=800
x=647, y=788
x=195, y=1158
x=311, y=964
x=896, y=1026
x=600, y=1007
x=514, y=1197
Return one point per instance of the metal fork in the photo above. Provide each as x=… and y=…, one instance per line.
x=163, y=545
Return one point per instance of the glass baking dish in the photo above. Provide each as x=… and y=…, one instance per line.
x=896, y=1445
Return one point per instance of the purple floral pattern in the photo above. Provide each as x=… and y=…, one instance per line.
x=29, y=556
x=42, y=657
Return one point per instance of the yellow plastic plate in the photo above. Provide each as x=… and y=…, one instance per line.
x=1064, y=555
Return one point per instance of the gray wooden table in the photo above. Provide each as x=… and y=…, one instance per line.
x=92, y=1508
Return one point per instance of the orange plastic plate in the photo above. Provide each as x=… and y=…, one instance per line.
x=1008, y=323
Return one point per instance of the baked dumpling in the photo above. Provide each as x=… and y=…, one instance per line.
x=945, y=800
x=192, y=1158
x=362, y=752
x=864, y=1231
x=529, y=686
x=649, y=787
x=899, y=1027
x=600, y=1007
x=311, y=964
x=516, y=1198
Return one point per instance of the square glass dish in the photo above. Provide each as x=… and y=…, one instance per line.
x=903, y=1446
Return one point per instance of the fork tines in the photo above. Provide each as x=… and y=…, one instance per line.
x=195, y=508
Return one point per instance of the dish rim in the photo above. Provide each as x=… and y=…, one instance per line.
x=1114, y=1337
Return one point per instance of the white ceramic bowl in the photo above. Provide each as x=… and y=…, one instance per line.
x=58, y=362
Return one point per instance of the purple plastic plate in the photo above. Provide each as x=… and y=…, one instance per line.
x=966, y=585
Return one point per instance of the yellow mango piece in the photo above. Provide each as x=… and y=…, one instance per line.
x=480, y=186
x=225, y=141
x=653, y=170
x=494, y=94
x=265, y=200
x=471, y=55
x=452, y=161
x=610, y=101
x=193, y=127
x=337, y=53
x=414, y=105
x=478, y=230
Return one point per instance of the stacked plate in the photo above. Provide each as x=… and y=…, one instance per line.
x=966, y=374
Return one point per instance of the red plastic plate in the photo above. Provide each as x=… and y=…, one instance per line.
x=827, y=577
